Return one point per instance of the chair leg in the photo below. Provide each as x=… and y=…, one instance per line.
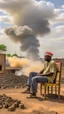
x=48, y=89
x=51, y=90
x=44, y=91
x=58, y=92
x=40, y=89
x=55, y=90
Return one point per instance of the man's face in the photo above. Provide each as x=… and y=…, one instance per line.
x=47, y=58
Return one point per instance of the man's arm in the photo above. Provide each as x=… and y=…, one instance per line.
x=47, y=74
x=41, y=71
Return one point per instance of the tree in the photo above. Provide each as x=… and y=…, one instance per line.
x=3, y=47
x=8, y=55
x=14, y=55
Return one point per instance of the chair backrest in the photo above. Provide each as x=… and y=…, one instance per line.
x=58, y=77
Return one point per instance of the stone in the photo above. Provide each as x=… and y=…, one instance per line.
x=2, y=87
x=15, y=104
x=21, y=106
x=1, y=106
x=9, y=103
x=6, y=105
x=12, y=108
x=16, y=87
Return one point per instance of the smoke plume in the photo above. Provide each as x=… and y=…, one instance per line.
x=31, y=18
x=26, y=65
x=25, y=36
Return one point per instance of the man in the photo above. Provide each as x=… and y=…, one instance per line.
x=47, y=74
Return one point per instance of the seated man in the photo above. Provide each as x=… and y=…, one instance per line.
x=47, y=74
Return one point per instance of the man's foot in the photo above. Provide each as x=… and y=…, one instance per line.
x=27, y=90
x=33, y=95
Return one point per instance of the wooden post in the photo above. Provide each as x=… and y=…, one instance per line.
x=2, y=63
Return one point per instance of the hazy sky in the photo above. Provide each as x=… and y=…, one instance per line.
x=54, y=41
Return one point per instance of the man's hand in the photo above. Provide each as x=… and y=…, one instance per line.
x=41, y=71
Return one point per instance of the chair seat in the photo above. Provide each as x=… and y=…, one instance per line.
x=50, y=84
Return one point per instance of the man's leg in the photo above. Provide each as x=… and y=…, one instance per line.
x=29, y=81
x=35, y=81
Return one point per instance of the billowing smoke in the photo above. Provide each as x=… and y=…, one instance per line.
x=25, y=64
x=25, y=35
x=31, y=18
x=17, y=62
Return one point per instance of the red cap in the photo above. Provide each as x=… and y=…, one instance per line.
x=49, y=54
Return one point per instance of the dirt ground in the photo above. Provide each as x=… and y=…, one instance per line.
x=50, y=104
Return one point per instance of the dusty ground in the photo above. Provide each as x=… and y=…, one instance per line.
x=34, y=104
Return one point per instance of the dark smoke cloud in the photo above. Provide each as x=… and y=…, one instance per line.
x=32, y=20
x=25, y=35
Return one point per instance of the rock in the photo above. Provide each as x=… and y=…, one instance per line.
x=6, y=105
x=12, y=108
x=18, y=102
x=9, y=103
x=2, y=87
x=15, y=104
x=7, y=100
x=16, y=87
x=4, y=96
x=21, y=106
x=1, y=106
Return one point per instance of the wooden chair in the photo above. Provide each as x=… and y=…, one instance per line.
x=55, y=85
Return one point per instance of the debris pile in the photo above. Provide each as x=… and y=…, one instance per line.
x=8, y=80
x=9, y=103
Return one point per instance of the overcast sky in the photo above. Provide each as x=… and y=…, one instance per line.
x=53, y=12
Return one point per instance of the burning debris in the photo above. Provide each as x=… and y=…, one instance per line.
x=9, y=103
